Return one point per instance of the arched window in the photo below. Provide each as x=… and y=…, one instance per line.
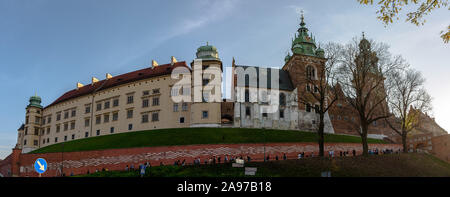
x=310, y=72
x=282, y=99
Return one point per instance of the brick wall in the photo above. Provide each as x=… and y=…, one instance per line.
x=117, y=159
x=441, y=147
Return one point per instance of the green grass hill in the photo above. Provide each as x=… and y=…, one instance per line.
x=188, y=136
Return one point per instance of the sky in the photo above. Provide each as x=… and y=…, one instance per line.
x=47, y=46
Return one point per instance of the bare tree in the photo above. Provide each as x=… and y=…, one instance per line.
x=364, y=67
x=407, y=91
x=321, y=89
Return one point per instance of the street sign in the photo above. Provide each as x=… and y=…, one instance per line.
x=40, y=165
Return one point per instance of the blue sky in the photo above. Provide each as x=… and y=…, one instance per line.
x=47, y=46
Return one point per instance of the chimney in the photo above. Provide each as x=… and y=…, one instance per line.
x=79, y=85
x=154, y=63
x=108, y=76
x=173, y=61
x=94, y=80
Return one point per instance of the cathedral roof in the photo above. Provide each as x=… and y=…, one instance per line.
x=145, y=73
x=304, y=43
x=285, y=82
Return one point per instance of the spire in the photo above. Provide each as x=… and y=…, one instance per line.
x=302, y=23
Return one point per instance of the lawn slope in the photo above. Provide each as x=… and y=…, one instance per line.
x=187, y=136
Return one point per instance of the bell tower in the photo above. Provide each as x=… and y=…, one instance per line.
x=306, y=62
x=33, y=123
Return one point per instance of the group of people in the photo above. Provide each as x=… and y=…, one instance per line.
x=384, y=151
x=218, y=159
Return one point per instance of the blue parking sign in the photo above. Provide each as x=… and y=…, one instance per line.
x=40, y=165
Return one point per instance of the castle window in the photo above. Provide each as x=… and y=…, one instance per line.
x=145, y=93
x=115, y=102
x=35, y=142
x=58, y=128
x=48, y=130
x=98, y=132
x=65, y=138
x=204, y=114
x=73, y=136
x=58, y=117
x=145, y=103
x=130, y=113
x=111, y=130
x=181, y=119
x=156, y=101
x=74, y=112
x=24, y=142
x=86, y=134
x=66, y=126
x=130, y=99
x=264, y=115
x=174, y=91
x=56, y=139
x=184, y=107
x=26, y=120
x=72, y=125
x=98, y=119
x=308, y=88
x=49, y=119
x=281, y=113
x=175, y=107
x=310, y=73
x=130, y=127
x=87, y=122
x=66, y=114
x=106, y=118
x=316, y=89
x=43, y=120
x=87, y=109
x=144, y=118
x=99, y=106
x=155, y=117
x=115, y=116
x=107, y=103
x=155, y=91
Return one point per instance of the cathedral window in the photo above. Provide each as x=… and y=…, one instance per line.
x=308, y=107
x=282, y=99
x=310, y=73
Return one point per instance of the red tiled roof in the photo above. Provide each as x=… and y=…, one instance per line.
x=145, y=73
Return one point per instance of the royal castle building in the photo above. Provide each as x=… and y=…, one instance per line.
x=148, y=99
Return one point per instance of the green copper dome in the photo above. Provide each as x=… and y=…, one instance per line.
x=207, y=52
x=304, y=43
x=35, y=101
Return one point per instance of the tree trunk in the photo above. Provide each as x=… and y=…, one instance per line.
x=320, y=132
x=405, y=148
x=364, y=128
